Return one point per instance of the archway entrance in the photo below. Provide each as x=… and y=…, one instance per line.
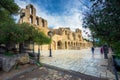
x=59, y=45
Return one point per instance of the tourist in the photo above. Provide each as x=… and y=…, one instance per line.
x=105, y=49
x=92, y=49
x=101, y=50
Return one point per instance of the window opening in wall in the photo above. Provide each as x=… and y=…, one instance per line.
x=37, y=21
x=31, y=10
x=59, y=45
x=74, y=44
x=79, y=37
x=43, y=23
x=68, y=43
x=22, y=14
x=65, y=32
x=31, y=19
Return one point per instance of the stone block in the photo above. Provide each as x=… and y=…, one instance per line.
x=24, y=59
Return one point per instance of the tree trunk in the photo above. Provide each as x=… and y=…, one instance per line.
x=21, y=47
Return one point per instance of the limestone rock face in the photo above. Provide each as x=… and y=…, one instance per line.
x=9, y=62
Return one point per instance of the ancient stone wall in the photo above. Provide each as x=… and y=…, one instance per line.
x=28, y=15
x=63, y=38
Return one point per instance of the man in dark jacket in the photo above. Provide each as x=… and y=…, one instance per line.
x=105, y=49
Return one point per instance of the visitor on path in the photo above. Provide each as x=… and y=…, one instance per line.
x=105, y=49
x=101, y=50
x=92, y=49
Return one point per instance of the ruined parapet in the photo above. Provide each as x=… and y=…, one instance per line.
x=78, y=31
x=28, y=15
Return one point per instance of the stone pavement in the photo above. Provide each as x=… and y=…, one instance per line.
x=52, y=73
x=80, y=61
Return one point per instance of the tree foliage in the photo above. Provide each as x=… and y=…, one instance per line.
x=10, y=32
x=103, y=18
x=7, y=9
x=32, y=33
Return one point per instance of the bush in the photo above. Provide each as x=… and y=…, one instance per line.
x=116, y=47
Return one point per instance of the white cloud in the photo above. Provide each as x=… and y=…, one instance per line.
x=22, y=3
x=74, y=20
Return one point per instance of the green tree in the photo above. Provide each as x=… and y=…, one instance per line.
x=41, y=39
x=30, y=33
x=11, y=33
x=8, y=8
x=103, y=18
x=16, y=33
x=8, y=28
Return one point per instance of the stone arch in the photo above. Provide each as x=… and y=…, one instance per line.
x=43, y=23
x=68, y=43
x=59, y=45
x=31, y=9
x=37, y=21
x=79, y=36
x=71, y=43
x=74, y=43
x=65, y=32
x=31, y=19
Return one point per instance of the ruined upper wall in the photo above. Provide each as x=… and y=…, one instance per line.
x=29, y=15
x=69, y=35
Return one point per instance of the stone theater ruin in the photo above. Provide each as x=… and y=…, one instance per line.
x=63, y=38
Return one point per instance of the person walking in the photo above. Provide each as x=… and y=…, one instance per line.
x=105, y=49
x=101, y=50
x=92, y=49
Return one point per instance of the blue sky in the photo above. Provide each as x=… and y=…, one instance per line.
x=59, y=13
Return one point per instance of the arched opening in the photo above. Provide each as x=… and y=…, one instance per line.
x=74, y=43
x=31, y=9
x=43, y=23
x=79, y=37
x=37, y=21
x=59, y=45
x=68, y=43
x=31, y=19
x=65, y=32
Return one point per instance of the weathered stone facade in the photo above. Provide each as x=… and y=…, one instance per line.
x=63, y=38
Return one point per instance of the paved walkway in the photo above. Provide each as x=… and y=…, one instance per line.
x=52, y=73
x=79, y=60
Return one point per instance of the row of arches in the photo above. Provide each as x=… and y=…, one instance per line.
x=68, y=45
x=33, y=19
x=37, y=21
